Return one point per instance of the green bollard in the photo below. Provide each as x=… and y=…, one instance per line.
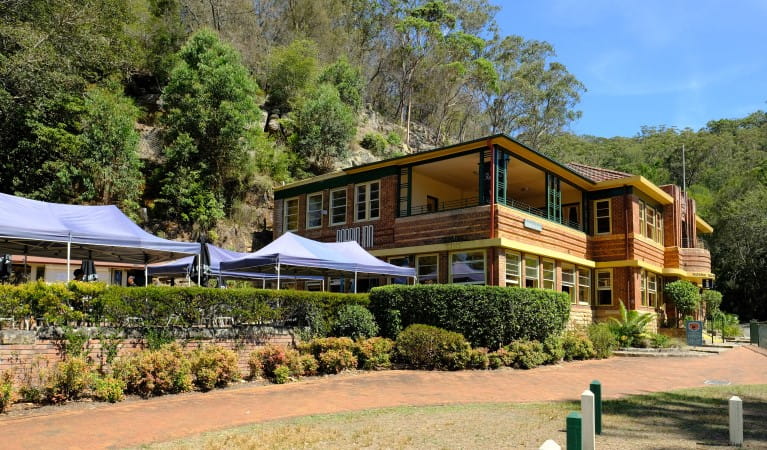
x=596, y=388
x=574, y=431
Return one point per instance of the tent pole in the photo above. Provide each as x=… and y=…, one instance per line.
x=69, y=256
x=199, y=267
x=355, y=282
x=146, y=270
x=263, y=283
x=278, y=275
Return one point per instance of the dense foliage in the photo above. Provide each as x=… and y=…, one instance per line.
x=487, y=316
x=160, y=306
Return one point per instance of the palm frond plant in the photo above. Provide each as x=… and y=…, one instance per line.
x=630, y=327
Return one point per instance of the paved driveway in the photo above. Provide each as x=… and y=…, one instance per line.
x=166, y=418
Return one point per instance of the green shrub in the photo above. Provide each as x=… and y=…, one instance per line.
x=577, y=345
x=478, y=359
x=427, y=347
x=500, y=358
x=657, y=340
x=488, y=316
x=155, y=372
x=281, y=374
x=321, y=345
x=375, y=353
x=337, y=360
x=75, y=342
x=553, y=348
x=629, y=328
x=354, y=321
x=603, y=339
x=68, y=380
x=6, y=391
x=731, y=326
x=213, y=366
x=712, y=300
x=108, y=389
x=265, y=361
x=394, y=139
x=527, y=354
x=375, y=143
x=309, y=365
x=684, y=295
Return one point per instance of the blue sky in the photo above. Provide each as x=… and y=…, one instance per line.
x=678, y=63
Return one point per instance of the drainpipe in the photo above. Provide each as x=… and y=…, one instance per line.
x=491, y=255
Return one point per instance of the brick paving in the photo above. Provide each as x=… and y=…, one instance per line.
x=166, y=418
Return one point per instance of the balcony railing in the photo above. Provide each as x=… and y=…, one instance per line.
x=474, y=201
x=693, y=243
x=444, y=206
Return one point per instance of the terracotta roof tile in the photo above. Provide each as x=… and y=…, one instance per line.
x=596, y=173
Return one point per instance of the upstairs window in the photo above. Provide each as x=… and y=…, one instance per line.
x=290, y=215
x=651, y=222
x=368, y=201
x=602, y=216
x=314, y=210
x=338, y=207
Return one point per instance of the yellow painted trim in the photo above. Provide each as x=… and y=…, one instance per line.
x=703, y=226
x=416, y=157
x=668, y=271
x=326, y=176
x=641, y=183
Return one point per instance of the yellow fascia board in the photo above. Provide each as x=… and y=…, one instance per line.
x=668, y=271
x=641, y=183
x=326, y=176
x=703, y=226
x=484, y=243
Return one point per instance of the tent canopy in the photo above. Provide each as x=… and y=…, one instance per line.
x=102, y=233
x=296, y=254
x=212, y=262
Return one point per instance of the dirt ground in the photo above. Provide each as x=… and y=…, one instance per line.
x=136, y=422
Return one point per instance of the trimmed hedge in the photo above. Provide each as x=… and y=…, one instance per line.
x=155, y=305
x=488, y=316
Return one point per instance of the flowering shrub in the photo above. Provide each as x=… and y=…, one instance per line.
x=500, y=358
x=68, y=380
x=6, y=391
x=265, y=361
x=335, y=361
x=321, y=345
x=375, y=353
x=155, y=372
x=213, y=366
x=478, y=359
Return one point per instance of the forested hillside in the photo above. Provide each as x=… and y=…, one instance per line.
x=186, y=113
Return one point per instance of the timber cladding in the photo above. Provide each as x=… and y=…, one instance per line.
x=510, y=224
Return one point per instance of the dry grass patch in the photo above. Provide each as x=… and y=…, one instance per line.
x=680, y=419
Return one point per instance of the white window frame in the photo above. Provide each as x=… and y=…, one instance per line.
x=512, y=267
x=581, y=300
x=318, y=212
x=484, y=266
x=643, y=288
x=603, y=288
x=652, y=289
x=418, y=265
x=609, y=216
x=367, y=201
x=285, y=213
x=537, y=279
x=553, y=273
x=333, y=205
x=571, y=282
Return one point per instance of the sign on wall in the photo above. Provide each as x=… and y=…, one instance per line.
x=363, y=235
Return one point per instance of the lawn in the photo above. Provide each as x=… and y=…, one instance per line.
x=688, y=418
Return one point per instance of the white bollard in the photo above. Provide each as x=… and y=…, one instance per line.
x=736, y=421
x=587, y=411
x=550, y=445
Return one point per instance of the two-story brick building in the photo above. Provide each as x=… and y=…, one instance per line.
x=492, y=211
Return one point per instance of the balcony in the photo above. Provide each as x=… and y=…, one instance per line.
x=696, y=260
